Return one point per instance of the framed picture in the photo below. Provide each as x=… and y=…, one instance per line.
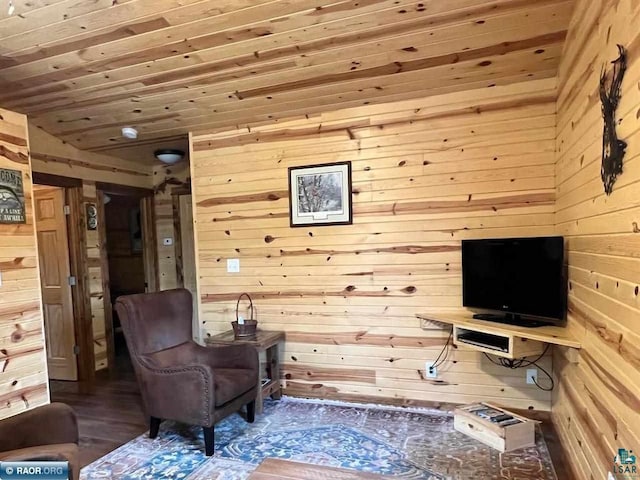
x=320, y=194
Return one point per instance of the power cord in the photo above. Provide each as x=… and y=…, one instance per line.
x=523, y=363
x=445, y=348
x=549, y=376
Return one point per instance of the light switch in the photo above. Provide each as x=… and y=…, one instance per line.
x=167, y=242
x=233, y=265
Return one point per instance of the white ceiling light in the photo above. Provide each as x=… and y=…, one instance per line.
x=169, y=155
x=129, y=132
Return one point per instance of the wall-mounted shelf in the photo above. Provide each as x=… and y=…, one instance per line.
x=502, y=345
x=508, y=341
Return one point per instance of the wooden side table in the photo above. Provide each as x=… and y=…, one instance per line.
x=264, y=341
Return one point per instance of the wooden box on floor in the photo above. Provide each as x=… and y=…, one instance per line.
x=503, y=439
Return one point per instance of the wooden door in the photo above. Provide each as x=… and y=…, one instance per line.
x=53, y=255
x=188, y=255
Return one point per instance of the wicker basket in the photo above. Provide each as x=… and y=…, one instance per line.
x=248, y=329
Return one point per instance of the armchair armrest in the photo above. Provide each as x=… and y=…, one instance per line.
x=190, y=353
x=47, y=425
x=229, y=356
x=182, y=392
x=180, y=383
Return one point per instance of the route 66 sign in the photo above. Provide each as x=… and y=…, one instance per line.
x=11, y=197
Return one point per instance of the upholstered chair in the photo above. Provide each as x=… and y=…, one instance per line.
x=179, y=379
x=45, y=433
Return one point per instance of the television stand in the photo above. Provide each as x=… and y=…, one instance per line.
x=503, y=340
x=510, y=319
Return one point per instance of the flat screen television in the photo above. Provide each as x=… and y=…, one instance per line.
x=519, y=277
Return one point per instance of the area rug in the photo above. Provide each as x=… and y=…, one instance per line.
x=407, y=444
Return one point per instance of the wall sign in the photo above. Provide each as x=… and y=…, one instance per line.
x=11, y=197
x=613, y=149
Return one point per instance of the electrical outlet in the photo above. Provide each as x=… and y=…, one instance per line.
x=430, y=370
x=532, y=376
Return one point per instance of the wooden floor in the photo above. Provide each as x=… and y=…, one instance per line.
x=274, y=469
x=110, y=414
x=555, y=449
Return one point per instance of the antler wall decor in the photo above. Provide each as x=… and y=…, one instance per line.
x=613, y=149
x=162, y=187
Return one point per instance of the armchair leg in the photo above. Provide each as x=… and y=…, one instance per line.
x=208, y=440
x=251, y=411
x=154, y=426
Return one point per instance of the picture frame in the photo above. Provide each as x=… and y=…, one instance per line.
x=320, y=195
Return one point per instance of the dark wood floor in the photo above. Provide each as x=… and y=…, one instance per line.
x=110, y=415
x=558, y=457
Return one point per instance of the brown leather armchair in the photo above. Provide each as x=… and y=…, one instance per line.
x=45, y=433
x=179, y=379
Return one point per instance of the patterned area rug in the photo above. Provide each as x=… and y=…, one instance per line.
x=410, y=444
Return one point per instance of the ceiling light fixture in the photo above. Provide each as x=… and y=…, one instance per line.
x=169, y=155
x=129, y=132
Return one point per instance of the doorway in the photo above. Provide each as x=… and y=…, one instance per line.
x=129, y=257
x=64, y=219
x=124, y=250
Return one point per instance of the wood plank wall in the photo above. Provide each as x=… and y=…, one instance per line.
x=96, y=287
x=596, y=407
x=426, y=174
x=23, y=367
x=165, y=180
x=52, y=155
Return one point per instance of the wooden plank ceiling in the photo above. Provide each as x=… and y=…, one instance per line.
x=82, y=70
